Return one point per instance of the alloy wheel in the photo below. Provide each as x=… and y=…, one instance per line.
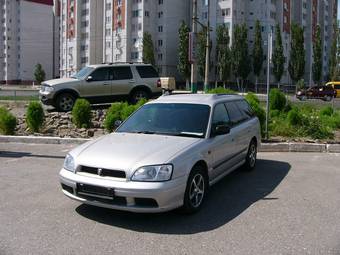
x=197, y=189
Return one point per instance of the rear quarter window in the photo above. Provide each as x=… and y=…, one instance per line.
x=245, y=109
x=235, y=114
x=336, y=86
x=147, y=72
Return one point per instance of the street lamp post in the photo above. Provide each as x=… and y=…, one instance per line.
x=207, y=60
x=269, y=58
x=194, y=64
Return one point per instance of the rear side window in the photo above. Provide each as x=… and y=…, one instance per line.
x=220, y=116
x=147, y=72
x=336, y=86
x=122, y=73
x=235, y=114
x=245, y=109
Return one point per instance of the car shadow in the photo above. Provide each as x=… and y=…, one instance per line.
x=17, y=154
x=227, y=199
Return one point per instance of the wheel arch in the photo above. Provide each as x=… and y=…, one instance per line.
x=70, y=91
x=140, y=87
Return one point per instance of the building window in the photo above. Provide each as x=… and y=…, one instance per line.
x=160, y=29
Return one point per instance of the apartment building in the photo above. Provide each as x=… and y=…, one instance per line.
x=81, y=34
x=306, y=13
x=99, y=31
x=27, y=38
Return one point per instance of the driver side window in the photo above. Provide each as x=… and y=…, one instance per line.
x=220, y=116
x=101, y=74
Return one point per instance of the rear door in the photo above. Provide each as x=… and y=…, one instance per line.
x=123, y=80
x=98, y=86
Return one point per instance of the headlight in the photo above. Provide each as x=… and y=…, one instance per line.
x=69, y=163
x=153, y=173
x=45, y=88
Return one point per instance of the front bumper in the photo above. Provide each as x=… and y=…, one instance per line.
x=46, y=98
x=127, y=194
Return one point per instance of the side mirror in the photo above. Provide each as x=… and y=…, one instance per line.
x=220, y=130
x=89, y=78
x=117, y=123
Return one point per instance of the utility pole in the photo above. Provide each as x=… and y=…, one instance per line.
x=207, y=60
x=194, y=64
x=269, y=58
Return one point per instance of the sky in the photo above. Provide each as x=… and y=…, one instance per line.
x=338, y=10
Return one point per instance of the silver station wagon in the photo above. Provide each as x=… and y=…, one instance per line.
x=164, y=156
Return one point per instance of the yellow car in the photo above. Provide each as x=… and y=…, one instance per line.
x=335, y=85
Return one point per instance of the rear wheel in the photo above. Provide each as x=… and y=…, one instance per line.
x=251, y=157
x=196, y=190
x=65, y=102
x=138, y=95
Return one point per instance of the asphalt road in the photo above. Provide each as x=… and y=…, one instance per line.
x=288, y=205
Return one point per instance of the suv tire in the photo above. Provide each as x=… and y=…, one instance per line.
x=65, y=102
x=138, y=94
x=196, y=190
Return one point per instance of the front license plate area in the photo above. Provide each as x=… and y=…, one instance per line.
x=95, y=191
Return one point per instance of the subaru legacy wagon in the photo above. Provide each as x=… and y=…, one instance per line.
x=164, y=156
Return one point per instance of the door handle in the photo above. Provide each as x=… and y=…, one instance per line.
x=105, y=83
x=131, y=81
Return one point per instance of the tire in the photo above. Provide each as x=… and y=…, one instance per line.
x=328, y=98
x=139, y=94
x=65, y=102
x=196, y=190
x=251, y=157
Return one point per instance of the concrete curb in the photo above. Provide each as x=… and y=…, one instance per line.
x=265, y=147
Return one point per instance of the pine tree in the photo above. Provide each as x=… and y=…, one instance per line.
x=148, y=49
x=297, y=61
x=39, y=73
x=333, y=56
x=317, y=56
x=278, y=56
x=239, y=54
x=258, y=56
x=183, y=66
x=223, y=53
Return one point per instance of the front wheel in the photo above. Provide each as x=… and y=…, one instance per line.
x=196, y=190
x=65, y=102
x=251, y=157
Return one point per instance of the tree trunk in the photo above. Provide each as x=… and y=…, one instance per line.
x=256, y=81
x=238, y=83
x=187, y=84
x=216, y=83
x=278, y=84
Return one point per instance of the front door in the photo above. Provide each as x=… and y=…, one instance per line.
x=97, y=86
x=222, y=147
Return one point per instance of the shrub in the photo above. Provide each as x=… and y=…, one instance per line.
x=221, y=90
x=34, y=116
x=295, y=117
x=275, y=113
x=8, y=122
x=251, y=97
x=81, y=113
x=277, y=100
x=127, y=110
x=316, y=130
x=326, y=111
x=300, y=84
x=112, y=115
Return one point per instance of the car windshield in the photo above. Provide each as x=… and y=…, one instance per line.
x=83, y=73
x=176, y=119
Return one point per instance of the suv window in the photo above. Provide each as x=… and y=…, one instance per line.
x=102, y=74
x=220, y=116
x=235, y=114
x=122, y=73
x=147, y=72
x=245, y=109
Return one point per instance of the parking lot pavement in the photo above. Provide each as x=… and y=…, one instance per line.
x=288, y=205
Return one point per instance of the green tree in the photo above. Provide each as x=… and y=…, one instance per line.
x=278, y=56
x=39, y=73
x=148, y=49
x=239, y=54
x=333, y=58
x=297, y=61
x=258, y=56
x=223, y=65
x=183, y=53
x=201, y=51
x=317, y=56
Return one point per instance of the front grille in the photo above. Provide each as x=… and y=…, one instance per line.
x=103, y=172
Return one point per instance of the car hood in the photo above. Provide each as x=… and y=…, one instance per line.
x=126, y=151
x=63, y=81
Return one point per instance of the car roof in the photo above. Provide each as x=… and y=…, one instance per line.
x=119, y=64
x=207, y=99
